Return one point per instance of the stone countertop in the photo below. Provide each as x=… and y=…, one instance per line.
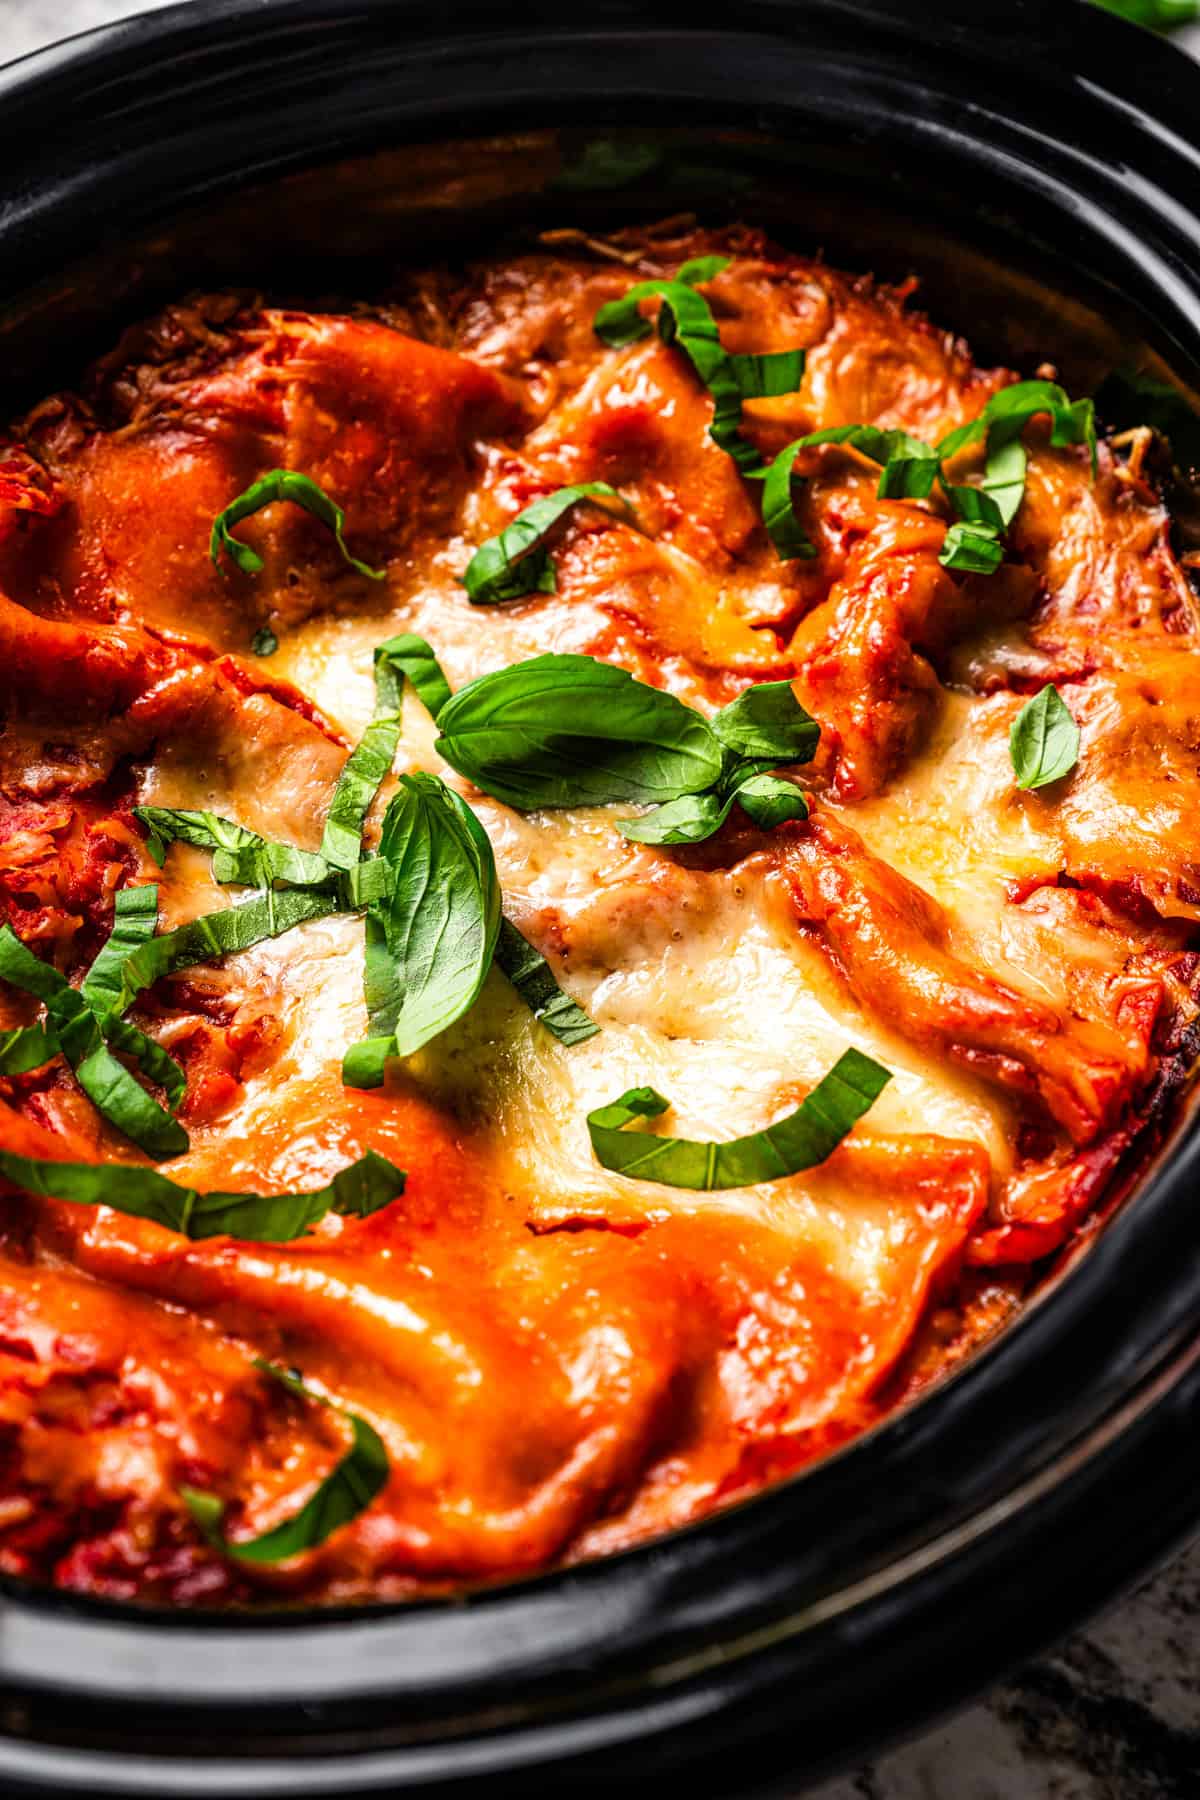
x=1114, y=1714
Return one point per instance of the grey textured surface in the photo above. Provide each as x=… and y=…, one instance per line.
x=1114, y=1714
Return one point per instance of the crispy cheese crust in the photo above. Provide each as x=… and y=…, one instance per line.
x=562, y=1361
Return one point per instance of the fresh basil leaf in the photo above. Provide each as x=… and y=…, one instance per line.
x=1043, y=740
x=689, y=820
x=767, y=721
x=566, y=730
x=107, y=1082
x=430, y=942
x=800, y=1141
x=26, y=1047
x=279, y=484
x=768, y=800
x=533, y=978
x=356, y=1191
x=766, y=375
x=1127, y=398
x=264, y=642
x=350, y=1487
x=218, y=934
x=516, y=563
x=240, y=857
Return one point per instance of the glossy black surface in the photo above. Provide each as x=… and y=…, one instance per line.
x=793, y=1633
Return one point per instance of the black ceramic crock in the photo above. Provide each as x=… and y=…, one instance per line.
x=1040, y=163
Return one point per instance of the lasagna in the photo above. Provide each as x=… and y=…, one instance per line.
x=600, y=868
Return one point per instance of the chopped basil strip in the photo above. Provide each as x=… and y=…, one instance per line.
x=1009, y=411
x=533, y=978
x=1043, y=741
x=409, y=658
x=27, y=1047
x=279, y=484
x=358, y=1190
x=218, y=934
x=909, y=469
x=107, y=1082
x=135, y=920
x=516, y=563
x=973, y=549
x=430, y=940
x=801, y=1140
x=566, y=730
x=346, y=1491
x=370, y=762
x=264, y=642
x=240, y=857
x=685, y=318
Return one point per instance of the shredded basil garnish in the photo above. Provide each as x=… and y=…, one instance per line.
x=370, y=762
x=81, y=1037
x=358, y=1190
x=685, y=318
x=533, y=978
x=279, y=484
x=1043, y=740
x=517, y=563
x=801, y=1140
x=346, y=1491
x=909, y=469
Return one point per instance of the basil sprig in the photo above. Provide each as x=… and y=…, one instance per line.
x=799, y=1141
x=346, y=1491
x=357, y=1191
x=430, y=939
x=423, y=965
x=684, y=318
x=279, y=484
x=909, y=469
x=516, y=562
x=567, y=730
x=1043, y=740
x=82, y=1036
